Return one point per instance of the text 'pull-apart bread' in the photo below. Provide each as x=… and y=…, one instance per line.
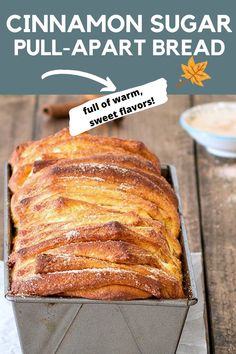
x=94, y=218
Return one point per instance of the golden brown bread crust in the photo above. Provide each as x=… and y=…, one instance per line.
x=95, y=219
x=152, y=280
x=62, y=145
x=130, y=161
x=152, y=240
x=58, y=282
x=70, y=179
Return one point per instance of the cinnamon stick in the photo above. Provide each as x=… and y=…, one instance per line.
x=61, y=110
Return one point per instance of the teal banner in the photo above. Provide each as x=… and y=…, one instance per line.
x=75, y=47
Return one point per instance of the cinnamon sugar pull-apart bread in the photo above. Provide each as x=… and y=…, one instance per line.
x=94, y=218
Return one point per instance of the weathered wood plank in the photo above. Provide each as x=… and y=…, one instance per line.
x=46, y=126
x=16, y=127
x=217, y=187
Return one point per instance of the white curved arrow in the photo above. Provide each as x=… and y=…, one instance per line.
x=108, y=84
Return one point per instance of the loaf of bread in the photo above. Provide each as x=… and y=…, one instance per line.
x=94, y=218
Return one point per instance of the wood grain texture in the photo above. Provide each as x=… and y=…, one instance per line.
x=45, y=126
x=217, y=190
x=17, y=121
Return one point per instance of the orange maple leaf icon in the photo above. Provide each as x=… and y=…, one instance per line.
x=195, y=72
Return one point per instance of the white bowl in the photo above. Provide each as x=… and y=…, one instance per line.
x=216, y=144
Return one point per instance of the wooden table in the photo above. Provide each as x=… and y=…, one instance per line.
x=208, y=190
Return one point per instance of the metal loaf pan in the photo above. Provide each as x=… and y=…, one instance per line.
x=74, y=325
